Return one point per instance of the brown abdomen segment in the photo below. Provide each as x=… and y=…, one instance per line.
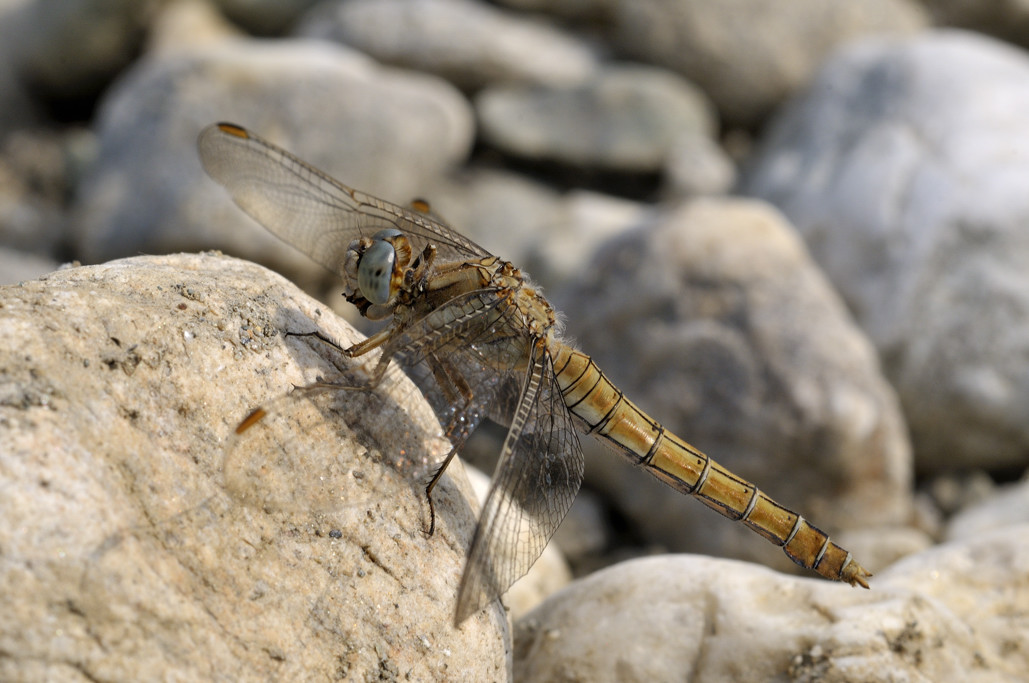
x=609, y=414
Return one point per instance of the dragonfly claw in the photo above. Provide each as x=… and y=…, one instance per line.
x=432, y=517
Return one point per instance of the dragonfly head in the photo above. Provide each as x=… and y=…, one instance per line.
x=377, y=264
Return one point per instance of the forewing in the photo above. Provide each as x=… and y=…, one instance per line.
x=308, y=209
x=539, y=473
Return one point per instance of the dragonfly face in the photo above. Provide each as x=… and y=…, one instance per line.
x=489, y=344
x=379, y=271
x=376, y=270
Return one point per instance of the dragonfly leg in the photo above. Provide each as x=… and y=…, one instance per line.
x=371, y=343
x=453, y=385
x=324, y=340
x=358, y=349
x=317, y=334
x=432, y=484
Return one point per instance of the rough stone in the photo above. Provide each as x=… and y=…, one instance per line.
x=136, y=546
x=626, y=118
x=750, y=55
x=953, y=614
x=379, y=130
x=903, y=168
x=469, y=43
x=714, y=319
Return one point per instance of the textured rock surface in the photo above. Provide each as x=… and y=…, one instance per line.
x=904, y=165
x=123, y=555
x=952, y=614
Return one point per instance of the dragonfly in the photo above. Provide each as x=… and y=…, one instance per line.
x=485, y=343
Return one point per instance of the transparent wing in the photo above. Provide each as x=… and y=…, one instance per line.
x=286, y=455
x=474, y=337
x=306, y=208
x=449, y=355
x=539, y=473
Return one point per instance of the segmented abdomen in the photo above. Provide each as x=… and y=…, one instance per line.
x=609, y=414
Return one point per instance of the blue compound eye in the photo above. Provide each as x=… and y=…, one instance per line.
x=375, y=272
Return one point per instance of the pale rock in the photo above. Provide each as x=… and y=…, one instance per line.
x=881, y=546
x=713, y=318
x=135, y=546
x=508, y=214
x=626, y=118
x=1006, y=507
x=379, y=130
x=188, y=25
x=469, y=43
x=952, y=614
x=750, y=55
x=581, y=224
x=903, y=167
x=550, y=236
x=697, y=165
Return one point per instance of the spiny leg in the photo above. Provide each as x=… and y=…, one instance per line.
x=448, y=380
x=358, y=349
x=317, y=334
x=432, y=484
